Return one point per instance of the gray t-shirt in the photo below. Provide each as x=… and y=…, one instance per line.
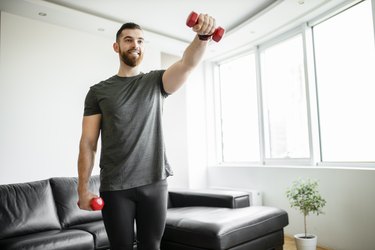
x=133, y=151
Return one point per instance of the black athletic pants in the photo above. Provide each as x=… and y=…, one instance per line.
x=147, y=205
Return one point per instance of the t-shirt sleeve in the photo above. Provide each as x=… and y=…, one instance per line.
x=91, y=104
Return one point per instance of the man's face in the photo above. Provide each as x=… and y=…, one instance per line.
x=131, y=46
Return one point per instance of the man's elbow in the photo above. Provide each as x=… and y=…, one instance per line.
x=87, y=145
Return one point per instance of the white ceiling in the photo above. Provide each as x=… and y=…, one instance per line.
x=246, y=22
x=167, y=17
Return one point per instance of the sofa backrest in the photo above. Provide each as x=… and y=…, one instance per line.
x=27, y=208
x=66, y=197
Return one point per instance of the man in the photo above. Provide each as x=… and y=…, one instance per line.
x=126, y=109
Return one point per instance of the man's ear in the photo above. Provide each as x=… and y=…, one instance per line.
x=116, y=47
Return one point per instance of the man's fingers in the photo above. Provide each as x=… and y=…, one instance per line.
x=205, y=25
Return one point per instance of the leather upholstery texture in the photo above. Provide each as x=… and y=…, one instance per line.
x=222, y=228
x=208, y=198
x=66, y=197
x=50, y=240
x=272, y=241
x=96, y=228
x=27, y=208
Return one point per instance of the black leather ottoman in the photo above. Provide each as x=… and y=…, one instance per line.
x=250, y=228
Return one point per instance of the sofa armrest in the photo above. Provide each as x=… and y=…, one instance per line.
x=208, y=198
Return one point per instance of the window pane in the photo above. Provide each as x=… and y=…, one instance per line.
x=284, y=100
x=345, y=63
x=239, y=114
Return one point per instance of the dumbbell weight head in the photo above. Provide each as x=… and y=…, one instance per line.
x=218, y=34
x=192, y=19
x=95, y=203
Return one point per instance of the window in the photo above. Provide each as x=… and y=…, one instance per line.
x=345, y=63
x=268, y=115
x=284, y=100
x=239, y=114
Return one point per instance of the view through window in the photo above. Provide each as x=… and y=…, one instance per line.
x=345, y=65
x=284, y=100
x=239, y=114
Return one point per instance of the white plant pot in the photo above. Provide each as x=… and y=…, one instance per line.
x=306, y=243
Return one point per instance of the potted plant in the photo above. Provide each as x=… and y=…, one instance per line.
x=304, y=196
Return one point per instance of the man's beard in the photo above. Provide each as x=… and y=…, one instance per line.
x=129, y=59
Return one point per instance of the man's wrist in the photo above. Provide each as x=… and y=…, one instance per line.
x=204, y=37
x=82, y=189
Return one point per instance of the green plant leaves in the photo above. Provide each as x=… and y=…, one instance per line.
x=304, y=195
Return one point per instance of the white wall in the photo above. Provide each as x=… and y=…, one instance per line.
x=196, y=129
x=45, y=73
x=175, y=131
x=183, y=115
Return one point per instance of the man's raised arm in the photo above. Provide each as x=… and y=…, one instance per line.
x=176, y=75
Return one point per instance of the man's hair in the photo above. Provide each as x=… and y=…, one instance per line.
x=131, y=26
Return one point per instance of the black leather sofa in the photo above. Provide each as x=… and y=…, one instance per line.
x=44, y=215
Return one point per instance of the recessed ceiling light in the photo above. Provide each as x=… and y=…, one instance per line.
x=42, y=14
x=101, y=29
x=301, y=2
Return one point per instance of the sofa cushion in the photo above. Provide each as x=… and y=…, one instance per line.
x=97, y=229
x=27, y=208
x=66, y=197
x=53, y=239
x=221, y=228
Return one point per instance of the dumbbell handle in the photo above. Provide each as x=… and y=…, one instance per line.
x=96, y=203
x=193, y=19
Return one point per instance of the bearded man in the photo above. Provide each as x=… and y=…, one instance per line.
x=126, y=109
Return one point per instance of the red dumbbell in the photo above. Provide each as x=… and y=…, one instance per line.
x=96, y=203
x=193, y=19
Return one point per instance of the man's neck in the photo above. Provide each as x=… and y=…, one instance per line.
x=126, y=71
